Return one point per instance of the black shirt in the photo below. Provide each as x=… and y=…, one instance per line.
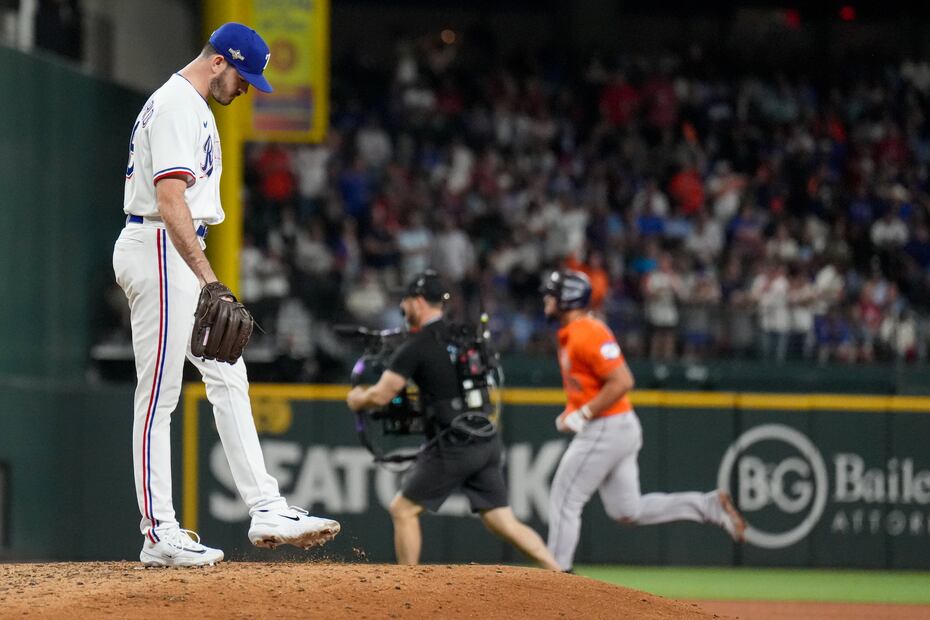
x=425, y=359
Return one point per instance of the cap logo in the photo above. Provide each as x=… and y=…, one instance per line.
x=236, y=54
x=267, y=58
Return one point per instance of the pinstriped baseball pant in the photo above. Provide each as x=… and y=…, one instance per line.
x=162, y=293
x=603, y=458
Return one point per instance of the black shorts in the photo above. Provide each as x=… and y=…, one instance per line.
x=474, y=468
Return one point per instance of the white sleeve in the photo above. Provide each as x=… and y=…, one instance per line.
x=173, y=138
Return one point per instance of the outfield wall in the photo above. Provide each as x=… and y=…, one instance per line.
x=839, y=481
x=63, y=149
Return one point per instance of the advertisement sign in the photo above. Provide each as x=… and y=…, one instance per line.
x=297, y=32
x=842, y=497
x=820, y=484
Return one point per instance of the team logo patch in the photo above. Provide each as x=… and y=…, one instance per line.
x=610, y=351
x=236, y=54
x=148, y=112
x=267, y=58
x=207, y=166
x=131, y=166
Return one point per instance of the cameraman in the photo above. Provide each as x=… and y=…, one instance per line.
x=450, y=459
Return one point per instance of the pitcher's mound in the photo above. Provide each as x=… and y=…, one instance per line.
x=296, y=590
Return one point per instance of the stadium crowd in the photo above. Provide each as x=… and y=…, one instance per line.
x=774, y=215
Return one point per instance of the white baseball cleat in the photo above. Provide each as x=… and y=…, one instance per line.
x=290, y=526
x=733, y=521
x=178, y=548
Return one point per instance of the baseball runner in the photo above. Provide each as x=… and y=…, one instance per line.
x=602, y=456
x=172, y=195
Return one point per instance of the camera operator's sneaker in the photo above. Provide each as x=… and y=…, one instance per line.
x=290, y=525
x=178, y=548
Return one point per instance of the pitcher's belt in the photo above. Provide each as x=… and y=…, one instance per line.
x=138, y=219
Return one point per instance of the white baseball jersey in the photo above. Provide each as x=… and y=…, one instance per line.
x=175, y=133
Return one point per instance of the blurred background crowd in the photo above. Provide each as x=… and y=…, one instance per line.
x=719, y=213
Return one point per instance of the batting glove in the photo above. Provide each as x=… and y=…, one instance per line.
x=575, y=421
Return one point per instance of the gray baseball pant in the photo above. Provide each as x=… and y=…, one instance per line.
x=603, y=458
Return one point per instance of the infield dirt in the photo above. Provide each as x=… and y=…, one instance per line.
x=319, y=590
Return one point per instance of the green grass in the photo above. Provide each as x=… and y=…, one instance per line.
x=850, y=586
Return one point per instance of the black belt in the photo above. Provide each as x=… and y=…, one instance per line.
x=138, y=219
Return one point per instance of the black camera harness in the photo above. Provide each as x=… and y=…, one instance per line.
x=472, y=416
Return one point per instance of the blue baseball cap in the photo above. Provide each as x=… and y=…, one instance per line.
x=244, y=49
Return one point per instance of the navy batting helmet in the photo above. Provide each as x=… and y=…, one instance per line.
x=572, y=289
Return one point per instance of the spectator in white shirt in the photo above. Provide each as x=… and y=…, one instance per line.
x=782, y=247
x=770, y=291
x=453, y=252
x=373, y=144
x=367, y=298
x=311, y=254
x=706, y=239
x=889, y=232
x=650, y=196
x=724, y=191
x=662, y=289
x=801, y=298
x=415, y=243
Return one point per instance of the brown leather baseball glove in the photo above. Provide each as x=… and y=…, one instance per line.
x=222, y=327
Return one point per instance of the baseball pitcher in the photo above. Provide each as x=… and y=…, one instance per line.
x=178, y=308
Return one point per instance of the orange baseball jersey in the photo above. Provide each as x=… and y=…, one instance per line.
x=588, y=352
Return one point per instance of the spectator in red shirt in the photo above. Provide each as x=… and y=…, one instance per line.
x=661, y=102
x=891, y=150
x=594, y=269
x=619, y=101
x=687, y=191
x=277, y=178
